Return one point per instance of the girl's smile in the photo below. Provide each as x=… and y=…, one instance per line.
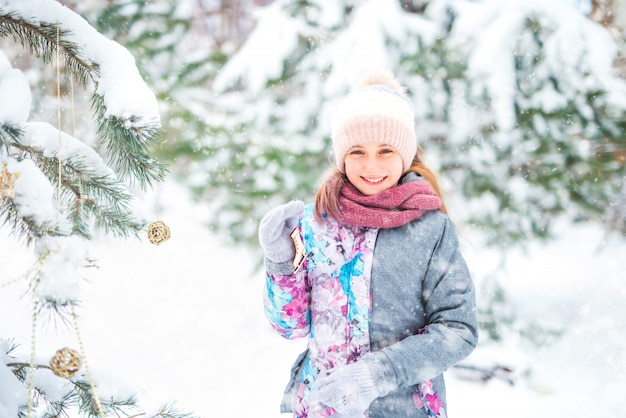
x=373, y=167
x=374, y=180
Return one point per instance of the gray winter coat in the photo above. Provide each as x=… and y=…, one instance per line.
x=418, y=279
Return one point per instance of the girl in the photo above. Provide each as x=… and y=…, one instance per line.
x=374, y=275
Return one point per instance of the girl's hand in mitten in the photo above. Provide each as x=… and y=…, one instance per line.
x=350, y=389
x=275, y=229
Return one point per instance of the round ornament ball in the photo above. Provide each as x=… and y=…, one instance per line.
x=65, y=363
x=158, y=232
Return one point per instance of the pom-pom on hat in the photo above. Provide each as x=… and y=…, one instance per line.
x=376, y=110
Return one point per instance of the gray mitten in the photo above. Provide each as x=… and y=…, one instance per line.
x=350, y=389
x=275, y=230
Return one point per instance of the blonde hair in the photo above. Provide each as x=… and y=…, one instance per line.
x=327, y=196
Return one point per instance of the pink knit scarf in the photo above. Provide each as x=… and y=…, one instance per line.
x=389, y=209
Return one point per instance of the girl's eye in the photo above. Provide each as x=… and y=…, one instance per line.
x=355, y=152
x=386, y=150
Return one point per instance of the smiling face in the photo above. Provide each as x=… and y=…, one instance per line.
x=373, y=167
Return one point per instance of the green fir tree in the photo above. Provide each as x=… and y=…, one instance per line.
x=515, y=158
x=57, y=190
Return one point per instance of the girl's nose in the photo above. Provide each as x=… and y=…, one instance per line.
x=371, y=161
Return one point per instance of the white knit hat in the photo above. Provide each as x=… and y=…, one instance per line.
x=376, y=110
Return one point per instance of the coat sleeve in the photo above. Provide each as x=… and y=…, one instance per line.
x=286, y=299
x=449, y=301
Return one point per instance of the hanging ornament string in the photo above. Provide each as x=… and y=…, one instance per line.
x=81, y=347
x=34, y=269
x=59, y=183
x=10, y=282
x=60, y=165
x=80, y=183
x=33, y=342
x=33, y=335
x=33, y=345
x=66, y=362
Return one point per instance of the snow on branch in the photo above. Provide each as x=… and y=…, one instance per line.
x=127, y=110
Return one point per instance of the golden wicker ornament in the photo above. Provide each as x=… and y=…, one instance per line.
x=158, y=232
x=65, y=363
x=7, y=180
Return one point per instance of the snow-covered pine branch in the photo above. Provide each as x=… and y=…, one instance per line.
x=126, y=109
x=55, y=188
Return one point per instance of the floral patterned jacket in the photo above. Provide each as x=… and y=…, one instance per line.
x=405, y=292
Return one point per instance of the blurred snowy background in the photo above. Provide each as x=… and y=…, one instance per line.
x=521, y=105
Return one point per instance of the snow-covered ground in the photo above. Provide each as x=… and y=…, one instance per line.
x=184, y=321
